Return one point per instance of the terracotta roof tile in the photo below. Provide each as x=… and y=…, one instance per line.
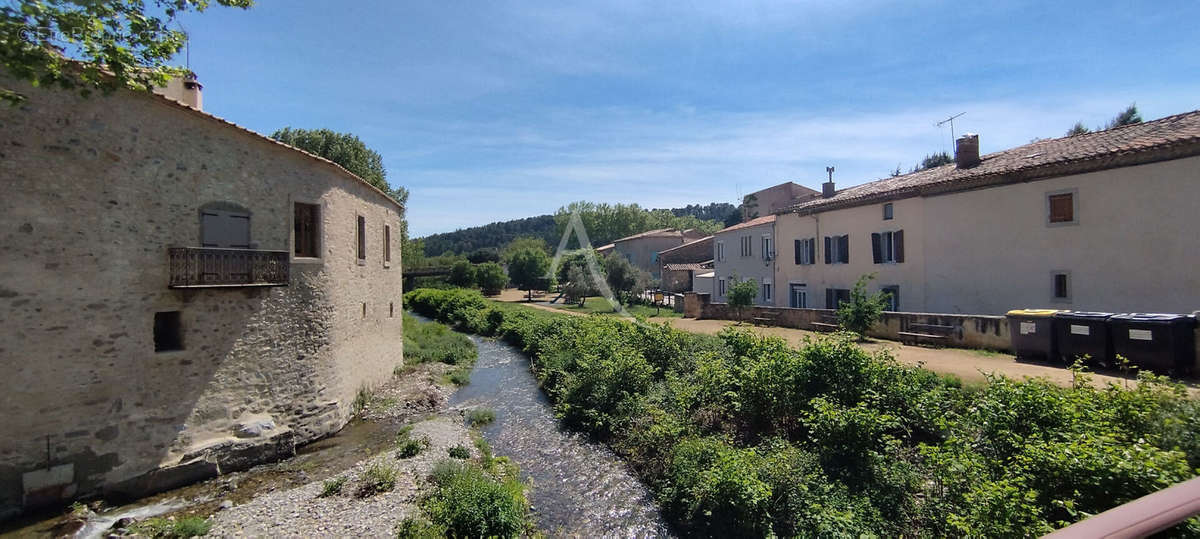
x=753, y=222
x=1172, y=137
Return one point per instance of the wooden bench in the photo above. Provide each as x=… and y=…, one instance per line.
x=828, y=323
x=928, y=333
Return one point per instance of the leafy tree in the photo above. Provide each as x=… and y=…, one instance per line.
x=749, y=207
x=527, y=267
x=1126, y=117
x=741, y=295
x=580, y=284
x=346, y=150
x=483, y=254
x=863, y=309
x=624, y=278
x=491, y=278
x=95, y=45
x=572, y=259
x=935, y=160
x=521, y=244
x=462, y=274
x=1078, y=129
x=607, y=222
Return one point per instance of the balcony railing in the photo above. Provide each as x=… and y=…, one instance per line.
x=203, y=267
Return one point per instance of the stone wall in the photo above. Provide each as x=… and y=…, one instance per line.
x=95, y=191
x=974, y=331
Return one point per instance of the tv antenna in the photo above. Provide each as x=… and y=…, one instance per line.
x=830, y=171
x=950, y=121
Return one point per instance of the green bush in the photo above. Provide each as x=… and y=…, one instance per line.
x=411, y=447
x=379, y=477
x=468, y=502
x=863, y=310
x=459, y=452
x=332, y=487
x=491, y=277
x=743, y=435
x=480, y=416
x=462, y=274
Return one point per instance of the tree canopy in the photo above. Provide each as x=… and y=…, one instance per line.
x=1126, y=117
x=527, y=267
x=741, y=294
x=94, y=45
x=346, y=150
x=624, y=278
x=607, y=222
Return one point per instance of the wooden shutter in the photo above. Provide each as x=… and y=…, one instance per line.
x=362, y=239
x=898, y=242
x=828, y=247
x=829, y=298
x=224, y=229
x=1062, y=208
x=812, y=250
x=876, y=251
x=844, y=248
x=798, y=247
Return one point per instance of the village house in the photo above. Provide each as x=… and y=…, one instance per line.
x=742, y=252
x=642, y=249
x=681, y=265
x=775, y=199
x=180, y=296
x=1103, y=221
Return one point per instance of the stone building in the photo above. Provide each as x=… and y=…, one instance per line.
x=642, y=249
x=179, y=296
x=681, y=265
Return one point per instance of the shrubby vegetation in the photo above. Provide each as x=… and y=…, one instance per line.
x=864, y=309
x=472, y=500
x=740, y=435
x=428, y=342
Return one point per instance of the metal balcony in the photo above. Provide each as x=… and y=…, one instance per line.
x=210, y=267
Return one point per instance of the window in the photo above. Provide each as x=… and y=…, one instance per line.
x=887, y=211
x=887, y=247
x=362, y=238
x=767, y=252
x=720, y=287
x=220, y=228
x=168, y=331
x=747, y=245
x=304, y=220
x=893, y=298
x=837, y=249
x=1061, y=207
x=387, y=244
x=798, y=294
x=720, y=251
x=806, y=251
x=766, y=291
x=836, y=296
x=1062, y=286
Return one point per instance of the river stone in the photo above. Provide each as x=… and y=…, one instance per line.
x=253, y=429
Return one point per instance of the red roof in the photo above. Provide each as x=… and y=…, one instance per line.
x=753, y=222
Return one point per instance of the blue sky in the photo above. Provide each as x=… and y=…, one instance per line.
x=495, y=110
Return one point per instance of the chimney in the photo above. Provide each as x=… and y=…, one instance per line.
x=827, y=189
x=185, y=89
x=966, y=150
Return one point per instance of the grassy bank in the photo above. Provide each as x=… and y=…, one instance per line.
x=426, y=342
x=742, y=435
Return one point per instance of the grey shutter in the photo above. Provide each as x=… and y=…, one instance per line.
x=899, y=245
x=844, y=248
x=829, y=298
x=238, y=230
x=210, y=225
x=798, y=247
x=876, y=252
x=828, y=246
x=812, y=250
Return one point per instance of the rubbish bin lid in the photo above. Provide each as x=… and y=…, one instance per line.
x=1152, y=317
x=1033, y=313
x=1082, y=314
